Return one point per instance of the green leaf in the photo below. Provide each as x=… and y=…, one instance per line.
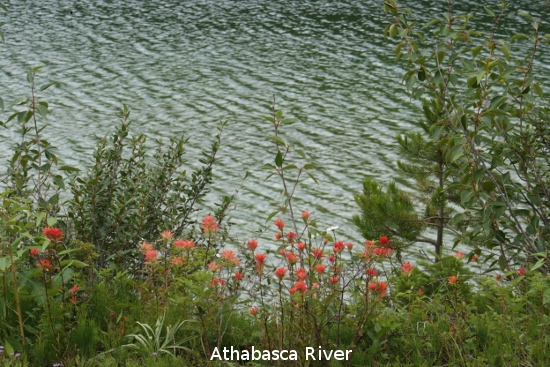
x=39, y=218
x=312, y=177
x=546, y=296
x=1, y=104
x=270, y=216
x=276, y=139
x=279, y=159
x=538, y=264
x=69, y=169
x=269, y=118
x=489, y=11
x=302, y=154
x=51, y=221
x=518, y=36
x=505, y=48
x=289, y=121
x=480, y=75
x=393, y=30
x=289, y=167
x=457, y=152
x=48, y=85
x=76, y=263
x=267, y=166
x=42, y=110
x=58, y=180
x=525, y=15
x=309, y=166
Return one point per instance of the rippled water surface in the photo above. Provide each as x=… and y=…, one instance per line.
x=183, y=66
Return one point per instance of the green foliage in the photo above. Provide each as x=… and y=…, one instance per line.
x=153, y=342
x=127, y=196
x=390, y=212
x=495, y=118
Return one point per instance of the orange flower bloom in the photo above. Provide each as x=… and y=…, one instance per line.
x=34, y=252
x=151, y=256
x=320, y=268
x=209, y=225
x=54, y=234
x=317, y=252
x=407, y=268
x=305, y=216
x=453, y=280
x=301, y=273
x=280, y=273
x=301, y=246
x=252, y=244
x=238, y=276
x=260, y=258
x=301, y=286
x=338, y=247
x=384, y=241
x=166, y=235
x=254, y=311
x=279, y=224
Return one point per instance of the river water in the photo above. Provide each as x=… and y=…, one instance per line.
x=184, y=66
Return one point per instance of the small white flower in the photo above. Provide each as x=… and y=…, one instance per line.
x=332, y=229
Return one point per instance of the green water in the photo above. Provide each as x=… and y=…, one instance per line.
x=183, y=66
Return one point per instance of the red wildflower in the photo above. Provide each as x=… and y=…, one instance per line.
x=252, y=245
x=301, y=286
x=34, y=252
x=301, y=273
x=349, y=245
x=339, y=247
x=145, y=247
x=260, y=258
x=292, y=257
x=74, y=289
x=292, y=290
x=209, y=225
x=217, y=281
x=254, y=311
x=178, y=244
x=331, y=258
x=498, y=277
x=325, y=240
x=54, y=234
x=238, y=276
x=521, y=272
x=317, y=252
x=384, y=241
x=453, y=280
x=420, y=292
x=282, y=252
x=278, y=236
x=333, y=280
x=474, y=258
x=290, y=236
x=407, y=268
x=280, y=273
x=228, y=256
x=383, y=251
x=279, y=224
x=151, y=256
x=214, y=266
x=378, y=287
x=320, y=268
x=166, y=235
x=305, y=216
x=45, y=264
x=301, y=246
x=178, y=261
x=372, y=273
x=459, y=255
